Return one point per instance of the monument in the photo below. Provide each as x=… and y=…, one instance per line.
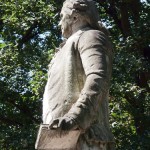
x=75, y=100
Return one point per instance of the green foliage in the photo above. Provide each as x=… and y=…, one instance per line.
x=28, y=37
x=130, y=91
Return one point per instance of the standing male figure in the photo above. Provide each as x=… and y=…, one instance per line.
x=76, y=94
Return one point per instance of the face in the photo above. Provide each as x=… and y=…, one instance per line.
x=65, y=23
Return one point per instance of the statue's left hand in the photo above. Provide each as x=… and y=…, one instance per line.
x=64, y=123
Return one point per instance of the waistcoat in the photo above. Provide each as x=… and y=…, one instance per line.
x=78, y=83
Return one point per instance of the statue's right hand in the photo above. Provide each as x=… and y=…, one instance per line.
x=63, y=123
x=54, y=124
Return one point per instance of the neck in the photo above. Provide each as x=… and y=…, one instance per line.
x=78, y=26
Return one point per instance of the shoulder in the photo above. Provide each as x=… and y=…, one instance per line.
x=93, y=34
x=93, y=37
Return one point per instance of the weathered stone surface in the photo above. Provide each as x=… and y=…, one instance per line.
x=51, y=139
x=76, y=94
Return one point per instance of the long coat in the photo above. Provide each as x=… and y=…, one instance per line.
x=78, y=83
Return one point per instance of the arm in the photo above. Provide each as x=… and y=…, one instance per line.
x=92, y=47
x=93, y=52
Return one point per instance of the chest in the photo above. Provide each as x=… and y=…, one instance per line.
x=64, y=59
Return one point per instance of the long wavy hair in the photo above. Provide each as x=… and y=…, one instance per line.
x=86, y=9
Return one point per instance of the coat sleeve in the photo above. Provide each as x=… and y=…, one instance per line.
x=93, y=51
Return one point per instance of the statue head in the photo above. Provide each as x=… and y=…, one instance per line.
x=76, y=14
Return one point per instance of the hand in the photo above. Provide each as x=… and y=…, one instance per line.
x=64, y=123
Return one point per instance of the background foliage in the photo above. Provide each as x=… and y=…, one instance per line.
x=28, y=36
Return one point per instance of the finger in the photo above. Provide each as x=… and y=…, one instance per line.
x=61, y=123
x=70, y=125
x=54, y=124
x=65, y=124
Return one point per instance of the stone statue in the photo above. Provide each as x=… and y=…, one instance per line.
x=76, y=94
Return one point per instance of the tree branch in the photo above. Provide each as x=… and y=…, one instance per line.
x=125, y=19
x=112, y=12
x=8, y=98
x=9, y=121
x=24, y=109
x=135, y=9
x=29, y=34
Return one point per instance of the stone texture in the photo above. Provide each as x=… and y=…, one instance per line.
x=51, y=139
x=76, y=94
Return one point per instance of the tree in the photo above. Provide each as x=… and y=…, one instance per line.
x=131, y=74
x=28, y=37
